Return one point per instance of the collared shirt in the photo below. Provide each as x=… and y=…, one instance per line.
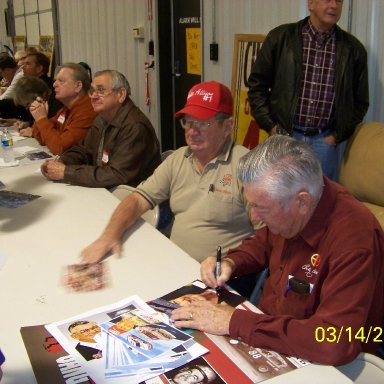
x=315, y=107
x=209, y=206
x=339, y=254
x=67, y=127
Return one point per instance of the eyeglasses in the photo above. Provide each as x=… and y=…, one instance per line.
x=100, y=91
x=198, y=124
x=337, y=1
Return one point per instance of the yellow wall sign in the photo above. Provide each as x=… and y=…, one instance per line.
x=193, y=42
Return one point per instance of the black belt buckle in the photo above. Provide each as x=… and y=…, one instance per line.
x=311, y=132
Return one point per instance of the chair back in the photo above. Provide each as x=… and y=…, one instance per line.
x=165, y=154
x=151, y=216
x=366, y=368
x=258, y=289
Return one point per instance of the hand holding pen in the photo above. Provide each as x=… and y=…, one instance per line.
x=215, y=269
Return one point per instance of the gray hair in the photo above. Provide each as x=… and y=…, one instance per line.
x=284, y=167
x=79, y=74
x=118, y=79
x=28, y=88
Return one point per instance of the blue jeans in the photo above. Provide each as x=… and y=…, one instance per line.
x=330, y=156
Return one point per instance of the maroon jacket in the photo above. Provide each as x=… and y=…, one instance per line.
x=340, y=254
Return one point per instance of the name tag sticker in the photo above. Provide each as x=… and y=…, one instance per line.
x=61, y=119
x=105, y=157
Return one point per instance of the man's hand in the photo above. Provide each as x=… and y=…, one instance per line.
x=19, y=125
x=204, y=316
x=96, y=251
x=207, y=271
x=26, y=132
x=330, y=139
x=53, y=170
x=273, y=130
x=39, y=109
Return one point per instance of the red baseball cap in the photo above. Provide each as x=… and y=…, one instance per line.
x=206, y=99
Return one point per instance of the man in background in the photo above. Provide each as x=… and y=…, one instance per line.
x=11, y=73
x=310, y=80
x=120, y=148
x=37, y=64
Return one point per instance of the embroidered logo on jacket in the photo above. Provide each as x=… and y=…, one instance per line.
x=312, y=268
x=226, y=180
x=315, y=260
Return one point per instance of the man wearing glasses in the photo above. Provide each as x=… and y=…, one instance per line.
x=86, y=333
x=120, y=148
x=200, y=181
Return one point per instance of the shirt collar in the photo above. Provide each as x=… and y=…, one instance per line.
x=315, y=34
x=222, y=156
x=318, y=223
x=120, y=116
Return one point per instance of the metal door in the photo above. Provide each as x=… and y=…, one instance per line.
x=180, y=47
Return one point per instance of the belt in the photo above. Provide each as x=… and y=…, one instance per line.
x=311, y=131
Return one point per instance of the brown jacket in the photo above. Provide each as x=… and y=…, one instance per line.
x=125, y=151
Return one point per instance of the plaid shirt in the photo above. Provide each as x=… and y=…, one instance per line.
x=315, y=108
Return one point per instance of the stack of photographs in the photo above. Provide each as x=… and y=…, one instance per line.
x=139, y=342
x=127, y=342
x=132, y=342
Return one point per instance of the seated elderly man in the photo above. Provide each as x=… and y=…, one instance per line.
x=72, y=121
x=200, y=182
x=324, y=250
x=120, y=148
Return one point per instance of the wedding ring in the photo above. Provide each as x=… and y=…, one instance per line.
x=190, y=316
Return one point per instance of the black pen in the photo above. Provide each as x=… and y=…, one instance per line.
x=218, y=268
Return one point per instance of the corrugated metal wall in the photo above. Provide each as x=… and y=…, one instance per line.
x=100, y=32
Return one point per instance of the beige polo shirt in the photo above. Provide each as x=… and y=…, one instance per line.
x=209, y=207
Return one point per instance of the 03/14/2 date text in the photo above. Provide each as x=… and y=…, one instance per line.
x=334, y=335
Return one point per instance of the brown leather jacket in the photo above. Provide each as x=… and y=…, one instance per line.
x=125, y=151
x=274, y=83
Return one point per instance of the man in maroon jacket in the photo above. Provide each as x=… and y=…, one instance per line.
x=324, y=250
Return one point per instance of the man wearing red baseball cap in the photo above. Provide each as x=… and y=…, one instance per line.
x=205, y=100
x=199, y=180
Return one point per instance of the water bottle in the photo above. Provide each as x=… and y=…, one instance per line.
x=7, y=145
